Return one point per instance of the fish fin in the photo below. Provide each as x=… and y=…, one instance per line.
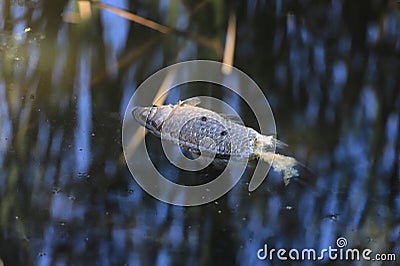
x=233, y=118
x=190, y=101
x=281, y=163
x=280, y=144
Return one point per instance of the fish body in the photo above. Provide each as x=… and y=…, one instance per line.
x=186, y=125
x=200, y=130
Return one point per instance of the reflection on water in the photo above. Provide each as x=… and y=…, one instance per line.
x=329, y=69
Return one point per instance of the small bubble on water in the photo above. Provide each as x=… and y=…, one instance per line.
x=83, y=175
x=71, y=197
x=333, y=216
x=288, y=207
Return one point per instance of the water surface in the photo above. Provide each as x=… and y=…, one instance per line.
x=329, y=71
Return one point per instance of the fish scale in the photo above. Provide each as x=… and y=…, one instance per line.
x=187, y=125
x=201, y=130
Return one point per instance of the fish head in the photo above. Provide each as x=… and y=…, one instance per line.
x=152, y=118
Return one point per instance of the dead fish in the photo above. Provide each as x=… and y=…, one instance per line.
x=188, y=125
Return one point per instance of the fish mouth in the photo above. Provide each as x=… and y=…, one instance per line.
x=140, y=114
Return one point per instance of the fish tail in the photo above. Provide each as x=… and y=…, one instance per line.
x=280, y=163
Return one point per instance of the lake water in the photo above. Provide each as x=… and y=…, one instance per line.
x=330, y=71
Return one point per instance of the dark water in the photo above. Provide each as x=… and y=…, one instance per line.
x=330, y=70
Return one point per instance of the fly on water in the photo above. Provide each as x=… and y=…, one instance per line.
x=188, y=125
